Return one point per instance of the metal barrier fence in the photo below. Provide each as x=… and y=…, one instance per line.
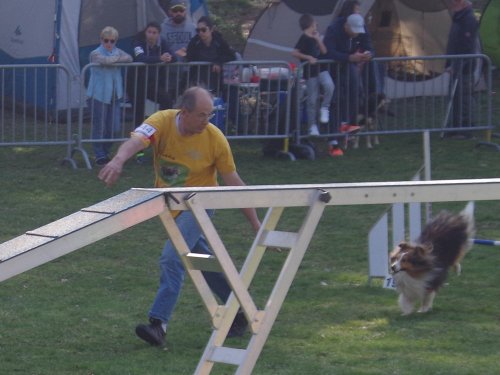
x=253, y=100
x=403, y=95
x=29, y=112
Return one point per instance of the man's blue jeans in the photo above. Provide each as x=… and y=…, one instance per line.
x=172, y=270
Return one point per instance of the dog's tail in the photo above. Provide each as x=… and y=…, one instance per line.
x=467, y=215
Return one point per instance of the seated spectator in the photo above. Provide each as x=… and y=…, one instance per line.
x=149, y=82
x=105, y=93
x=208, y=46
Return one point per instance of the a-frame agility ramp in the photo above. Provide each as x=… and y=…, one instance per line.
x=137, y=205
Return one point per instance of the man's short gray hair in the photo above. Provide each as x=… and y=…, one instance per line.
x=189, y=98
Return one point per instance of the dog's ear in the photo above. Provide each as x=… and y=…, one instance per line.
x=404, y=246
x=424, y=249
x=428, y=247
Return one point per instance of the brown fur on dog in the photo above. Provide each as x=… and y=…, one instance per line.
x=421, y=268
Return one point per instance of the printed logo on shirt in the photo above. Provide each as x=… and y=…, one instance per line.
x=172, y=174
x=138, y=51
x=178, y=37
x=146, y=130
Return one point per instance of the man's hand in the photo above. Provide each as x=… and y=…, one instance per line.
x=166, y=57
x=111, y=172
x=181, y=52
x=358, y=57
x=216, y=68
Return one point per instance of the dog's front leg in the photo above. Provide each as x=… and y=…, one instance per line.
x=427, y=302
x=406, y=304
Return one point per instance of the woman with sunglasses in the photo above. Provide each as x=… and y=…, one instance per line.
x=208, y=45
x=105, y=92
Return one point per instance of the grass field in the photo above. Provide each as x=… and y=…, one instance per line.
x=76, y=315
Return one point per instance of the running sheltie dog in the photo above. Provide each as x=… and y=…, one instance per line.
x=420, y=269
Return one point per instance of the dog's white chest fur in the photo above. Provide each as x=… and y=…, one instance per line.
x=412, y=291
x=413, y=288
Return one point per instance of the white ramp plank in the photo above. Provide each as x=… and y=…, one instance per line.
x=77, y=230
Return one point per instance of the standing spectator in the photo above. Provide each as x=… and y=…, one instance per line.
x=308, y=49
x=348, y=43
x=208, y=46
x=105, y=92
x=461, y=41
x=188, y=151
x=149, y=82
x=177, y=30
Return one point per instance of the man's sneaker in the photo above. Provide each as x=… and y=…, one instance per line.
x=102, y=161
x=335, y=151
x=314, y=131
x=152, y=333
x=324, y=115
x=346, y=128
x=239, y=326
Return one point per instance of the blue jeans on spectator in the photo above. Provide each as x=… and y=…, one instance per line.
x=172, y=270
x=106, y=123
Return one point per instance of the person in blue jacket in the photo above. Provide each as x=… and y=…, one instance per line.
x=105, y=93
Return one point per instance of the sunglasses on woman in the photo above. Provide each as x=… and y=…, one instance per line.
x=106, y=41
x=201, y=29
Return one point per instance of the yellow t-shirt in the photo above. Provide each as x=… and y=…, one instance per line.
x=185, y=160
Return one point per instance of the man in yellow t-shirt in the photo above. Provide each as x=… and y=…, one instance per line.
x=188, y=151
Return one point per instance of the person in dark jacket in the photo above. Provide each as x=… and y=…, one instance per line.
x=349, y=44
x=208, y=45
x=462, y=40
x=149, y=82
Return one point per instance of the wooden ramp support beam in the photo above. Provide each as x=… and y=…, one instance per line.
x=137, y=205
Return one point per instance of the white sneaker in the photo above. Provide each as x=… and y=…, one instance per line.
x=324, y=115
x=314, y=131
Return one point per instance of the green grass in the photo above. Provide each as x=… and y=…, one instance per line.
x=76, y=315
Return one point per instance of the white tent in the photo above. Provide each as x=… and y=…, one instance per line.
x=65, y=31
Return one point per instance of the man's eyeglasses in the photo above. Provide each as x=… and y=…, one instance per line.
x=112, y=41
x=201, y=29
x=177, y=10
x=205, y=116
